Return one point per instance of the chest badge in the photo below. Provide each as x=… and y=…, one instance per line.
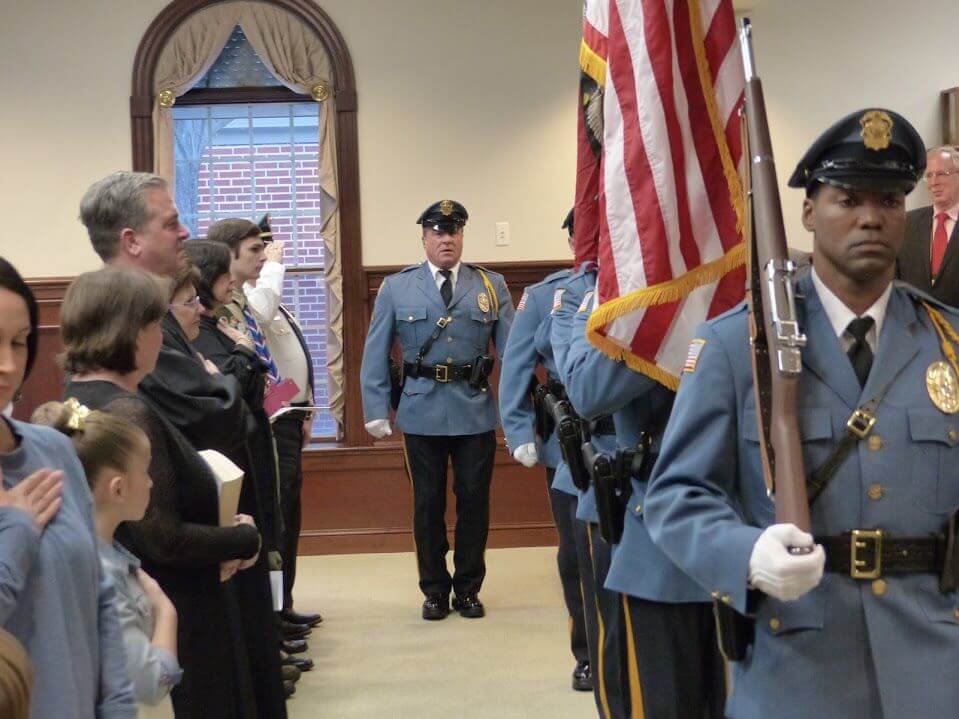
x=482, y=301
x=943, y=386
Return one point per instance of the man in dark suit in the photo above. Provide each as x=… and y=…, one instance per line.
x=930, y=255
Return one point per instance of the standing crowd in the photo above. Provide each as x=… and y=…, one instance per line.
x=133, y=585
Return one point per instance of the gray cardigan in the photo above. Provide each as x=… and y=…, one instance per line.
x=54, y=597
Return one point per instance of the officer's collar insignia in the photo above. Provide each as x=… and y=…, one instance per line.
x=876, y=129
x=483, y=301
x=557, y=300
x=584, y=306
x=446, y=207
x=943, y=386
x=692, y=356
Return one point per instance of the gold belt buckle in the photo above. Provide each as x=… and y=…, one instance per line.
x=861, y=423
x=860, y=540
x=442, y=376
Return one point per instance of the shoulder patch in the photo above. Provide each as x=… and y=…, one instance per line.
x=587, y=302
x=692, y=356
x=557, y=300
x=521, y=305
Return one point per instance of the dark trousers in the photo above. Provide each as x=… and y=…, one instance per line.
x=289, y=451
x=675, y=668
x=611, y=670
x=564, y=513
x=427, y=457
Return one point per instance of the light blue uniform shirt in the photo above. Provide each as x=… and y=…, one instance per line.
x=408, y=306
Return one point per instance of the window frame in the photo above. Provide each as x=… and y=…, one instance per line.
x=344, y=92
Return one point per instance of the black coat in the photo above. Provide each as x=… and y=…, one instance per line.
x=181, y=545
x=915, y=264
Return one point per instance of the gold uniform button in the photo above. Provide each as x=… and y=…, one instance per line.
x=879, y=587
x=410, y=318
x=955, y=613
x=876, y=492
x=726, y=599
x=449, y=339
x=639, y=509
x=774, y=624
x=714, y=595
x=952, y=434
x=449, y=360
x=875, y=443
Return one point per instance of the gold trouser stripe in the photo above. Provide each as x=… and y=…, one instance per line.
x=604, y=702
x=409, y=476
x=632, y=664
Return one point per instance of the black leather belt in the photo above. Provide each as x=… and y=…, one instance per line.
x=439, y=372
x=603, y=425
x=869, y=554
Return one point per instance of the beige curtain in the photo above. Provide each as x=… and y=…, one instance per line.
x=194, y=47
x=297, y=58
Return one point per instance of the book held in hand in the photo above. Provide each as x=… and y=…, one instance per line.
x=229, y=481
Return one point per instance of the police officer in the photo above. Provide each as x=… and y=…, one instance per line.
x=527, y=348
x=443, y=313
x=668, y=654
x=877, y=633
x=604, y=615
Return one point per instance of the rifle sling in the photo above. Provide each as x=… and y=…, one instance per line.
x=858, y=427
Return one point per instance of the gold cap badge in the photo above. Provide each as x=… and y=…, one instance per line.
x=446, y=207
x=943, y=386
x=876, y=129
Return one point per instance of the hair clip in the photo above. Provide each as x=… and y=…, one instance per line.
x=78, y=414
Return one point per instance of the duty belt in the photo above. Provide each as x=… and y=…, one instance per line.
x=439, y=372
x=869, y=554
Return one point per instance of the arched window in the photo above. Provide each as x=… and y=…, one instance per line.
x=249, y=108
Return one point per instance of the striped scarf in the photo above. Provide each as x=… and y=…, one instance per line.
x=259, y=343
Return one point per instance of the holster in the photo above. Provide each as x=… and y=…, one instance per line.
x=735, y=631
x=482, y=367
x=397, y=380
x=949, y=578
x=609, y=507
x=569, y=433
x=544, y=421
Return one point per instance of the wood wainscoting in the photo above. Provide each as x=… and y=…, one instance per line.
x=356, y=495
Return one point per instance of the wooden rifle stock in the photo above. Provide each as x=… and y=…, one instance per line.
x=774, y=332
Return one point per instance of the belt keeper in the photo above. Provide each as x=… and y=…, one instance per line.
x=949, y=579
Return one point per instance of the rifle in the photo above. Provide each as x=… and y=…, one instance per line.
x=570, y=433
x=775, y=336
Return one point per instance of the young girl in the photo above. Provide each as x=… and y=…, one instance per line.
x=115, y=456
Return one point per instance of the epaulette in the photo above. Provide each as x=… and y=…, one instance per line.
x=480, y=268
x=410, y=268
x=734, y=311
x=584, y=269
x=920, y=296
x=550, y=279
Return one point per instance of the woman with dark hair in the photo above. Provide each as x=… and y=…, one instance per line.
x=208, y=280
x=110, y=325
x=54, y=597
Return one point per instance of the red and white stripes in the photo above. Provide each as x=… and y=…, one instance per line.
x=670, y=247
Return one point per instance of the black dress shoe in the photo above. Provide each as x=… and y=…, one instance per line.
x=290, y=673
x=310, y=620
x=469, y=606
x=304, y=665
x=288, y=630
x=436, y=606
x=583, y=676
x=289, y=689
x=295, y=646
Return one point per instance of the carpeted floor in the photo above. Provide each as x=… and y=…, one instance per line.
x=375, y=657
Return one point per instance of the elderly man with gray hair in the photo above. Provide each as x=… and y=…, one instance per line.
x=133, y=222
x=929, y=259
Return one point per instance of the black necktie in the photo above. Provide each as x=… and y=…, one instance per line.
x=859, y=353
x=446, y=289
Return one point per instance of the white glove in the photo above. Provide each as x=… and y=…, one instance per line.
x=785, y=576
x=525, y=454
x=379, y=428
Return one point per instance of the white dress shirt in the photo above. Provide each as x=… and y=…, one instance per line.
x=438, y=278
x=840, y=316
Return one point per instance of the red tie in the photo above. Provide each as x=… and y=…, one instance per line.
x=939, y=241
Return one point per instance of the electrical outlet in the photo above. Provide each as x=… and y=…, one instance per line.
x=502, y=234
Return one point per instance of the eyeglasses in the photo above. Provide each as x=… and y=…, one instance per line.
x=190, y=304
x=940, y=175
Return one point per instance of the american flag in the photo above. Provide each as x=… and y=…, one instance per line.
x=670, y=202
